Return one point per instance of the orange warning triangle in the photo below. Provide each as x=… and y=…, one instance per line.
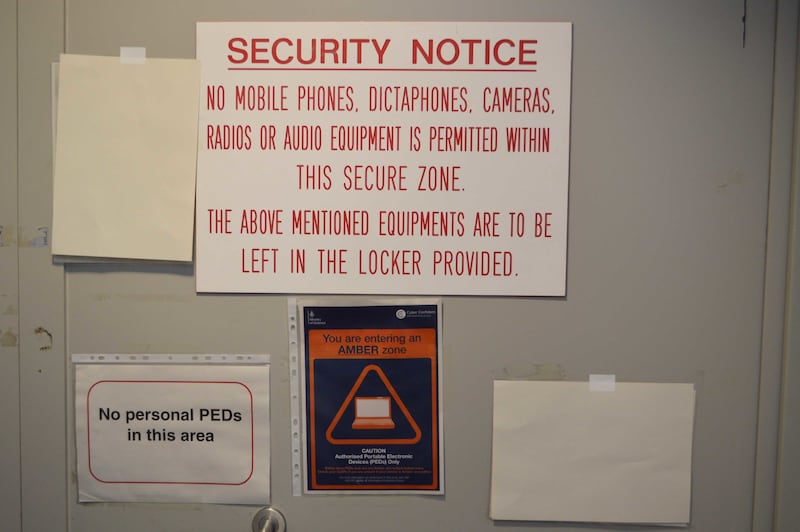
x=372, y=441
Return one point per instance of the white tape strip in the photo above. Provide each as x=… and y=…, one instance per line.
x=602, y=383
x=132, y=55
x=294, y=400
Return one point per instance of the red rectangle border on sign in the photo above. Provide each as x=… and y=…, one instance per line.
x=89, y=442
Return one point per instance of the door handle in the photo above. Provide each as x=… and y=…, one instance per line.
x=269, y=520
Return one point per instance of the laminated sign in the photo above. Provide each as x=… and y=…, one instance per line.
x=383, y=157
x=372, y=397
x=171, y=428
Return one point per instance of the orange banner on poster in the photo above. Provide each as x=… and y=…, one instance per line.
x=398, y=343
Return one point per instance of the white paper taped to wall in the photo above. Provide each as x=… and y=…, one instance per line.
x=562, y=452
x=125, y=158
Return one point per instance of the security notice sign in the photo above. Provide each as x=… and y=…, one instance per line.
x=167, y=428
x=371, y=397
x=383, y=157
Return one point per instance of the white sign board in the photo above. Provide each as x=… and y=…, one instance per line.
x=383, y=157
x=161, y=432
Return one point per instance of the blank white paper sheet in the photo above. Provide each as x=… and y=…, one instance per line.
x=126, y=158
x=562, y=451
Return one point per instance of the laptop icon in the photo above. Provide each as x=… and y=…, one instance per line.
x=373, y=413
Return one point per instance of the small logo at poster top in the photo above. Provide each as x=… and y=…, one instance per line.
x=313, y=319
x=400, y=314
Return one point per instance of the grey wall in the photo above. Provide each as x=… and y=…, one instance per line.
x=9, y=292
x=680, y=189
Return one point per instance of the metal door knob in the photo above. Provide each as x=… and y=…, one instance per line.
x=269, y=520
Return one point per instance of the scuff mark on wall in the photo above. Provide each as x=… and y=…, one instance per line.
x=145, y=298
x=46, y=337
x=41, y=241
x=8, y=339
x=730, y=179
x=11, y=310
x=7, y=235
x=542, y=372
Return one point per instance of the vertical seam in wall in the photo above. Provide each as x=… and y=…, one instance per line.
x=790, y=284
x=766, y=274
x=68, y=400
x=69, y=421
x=763, y=506
x=16, y=248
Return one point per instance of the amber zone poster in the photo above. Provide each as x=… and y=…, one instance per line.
x=371, y=379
